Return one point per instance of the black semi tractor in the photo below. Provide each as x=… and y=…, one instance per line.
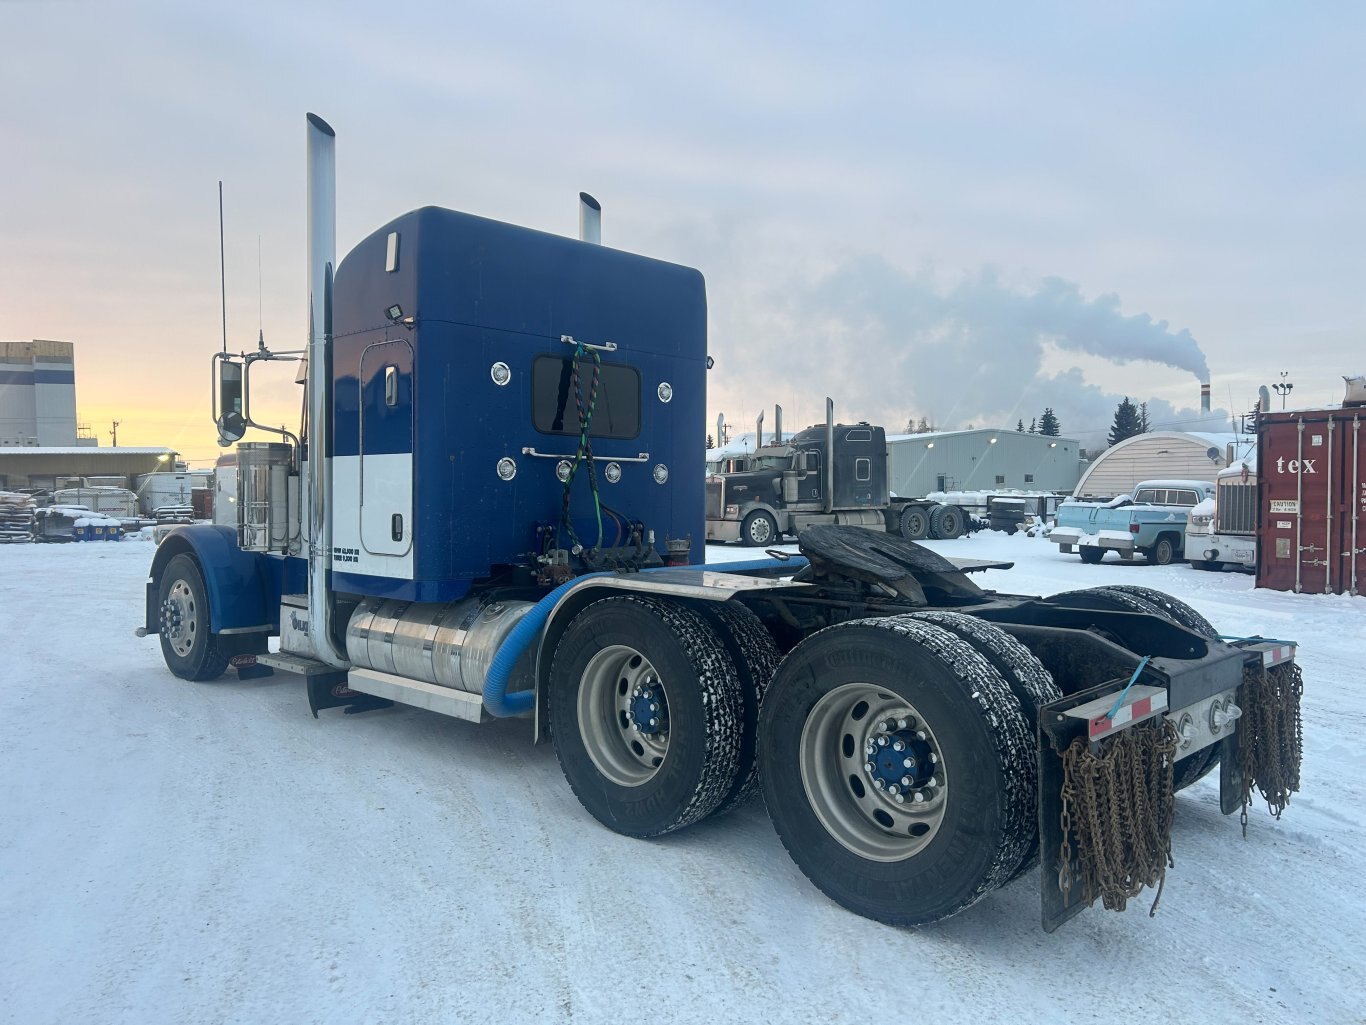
x=830, y=474
x=476, y=517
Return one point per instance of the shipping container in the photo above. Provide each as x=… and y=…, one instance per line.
x=1312, y=508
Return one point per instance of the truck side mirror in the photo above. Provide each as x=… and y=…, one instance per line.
x=231, y=424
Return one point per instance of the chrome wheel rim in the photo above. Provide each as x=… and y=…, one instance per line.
x=623, y=715
x=857, y=726
x=180, y=618
x=760, y=532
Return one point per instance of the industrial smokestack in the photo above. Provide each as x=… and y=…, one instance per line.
x=590, y=219
x=1204, y=397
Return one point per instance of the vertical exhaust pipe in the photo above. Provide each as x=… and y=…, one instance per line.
x=759, y=431
x=322, y=256
x=777, y=425
x=1263, y=400
x=1204, y=397
x=720, y=430
x=590, y=219
x=829, y=454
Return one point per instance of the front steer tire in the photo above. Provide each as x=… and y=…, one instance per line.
x=187, y=642
x=669, y=774
x=904, y=864
x=758, y=530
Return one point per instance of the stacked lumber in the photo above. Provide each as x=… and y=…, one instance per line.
x=16, y=518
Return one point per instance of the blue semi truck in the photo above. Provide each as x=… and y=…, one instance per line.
x=490, y=509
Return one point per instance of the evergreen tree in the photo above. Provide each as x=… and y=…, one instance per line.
x=923, y=427
x=1034, y=425
x=1019, y=427
x=710, y=444
x=1127, y=423
x=1048, y=423
x=1143, y=417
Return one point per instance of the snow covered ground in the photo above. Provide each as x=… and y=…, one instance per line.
x=202, y=853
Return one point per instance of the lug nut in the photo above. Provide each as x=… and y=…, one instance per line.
x=921, y=734
x=899, y=798
x=879, y=784
x=881, y=741
x=918, y=798
x=934, y=757
x=908, y=763
x=932, y=782
x=898, y=745
x=906, y=781
x=901, y=724
x=868, y=767
x=893, y=790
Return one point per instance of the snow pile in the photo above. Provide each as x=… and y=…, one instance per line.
x=177, y=852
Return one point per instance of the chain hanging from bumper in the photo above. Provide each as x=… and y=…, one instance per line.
x=1270, y=735
x=1118, y=803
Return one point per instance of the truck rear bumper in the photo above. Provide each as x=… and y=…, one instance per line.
x=1110, y=540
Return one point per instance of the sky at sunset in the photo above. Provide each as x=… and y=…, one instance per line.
x=962, y=212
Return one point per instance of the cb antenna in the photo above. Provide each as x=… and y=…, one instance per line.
x=260, y=302
x=222, y=272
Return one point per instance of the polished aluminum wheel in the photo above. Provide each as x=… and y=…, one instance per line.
x=623, y=715
x=873, y=772
x=180, y=618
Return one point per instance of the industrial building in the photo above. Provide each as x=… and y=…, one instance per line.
x=38, y=395
x=57, y=467
x=1185, y=455
x=980, y=460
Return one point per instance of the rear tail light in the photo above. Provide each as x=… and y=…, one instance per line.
x=1133, y=528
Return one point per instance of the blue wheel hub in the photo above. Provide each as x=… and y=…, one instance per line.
x=898, y=758
x=648, y=711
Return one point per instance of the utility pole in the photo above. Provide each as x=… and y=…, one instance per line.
x=115, y=433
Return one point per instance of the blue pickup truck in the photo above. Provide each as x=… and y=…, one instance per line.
x=1151, y=522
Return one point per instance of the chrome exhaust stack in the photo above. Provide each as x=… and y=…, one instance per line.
x=590, y=219
x=829, y=454
x=720, y=430
x=777, y=425
x=759, y=431
x=322, y=258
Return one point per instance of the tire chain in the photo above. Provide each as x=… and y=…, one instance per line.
x=1270, y=735
x=1118, y=803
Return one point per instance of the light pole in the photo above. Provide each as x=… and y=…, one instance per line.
x=115, y=433
x=1284, y=388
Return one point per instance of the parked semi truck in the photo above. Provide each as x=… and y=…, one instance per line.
x=827, y=474
x=1222, y=530
x=477, y=518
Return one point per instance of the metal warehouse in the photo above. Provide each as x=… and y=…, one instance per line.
x=1160, y=454
x=50, y=467
x=981, y=459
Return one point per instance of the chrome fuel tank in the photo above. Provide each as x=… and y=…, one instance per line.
x=451, y=645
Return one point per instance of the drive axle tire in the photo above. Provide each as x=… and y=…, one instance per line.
x=187, y=643
x=915, y=523
x=1091, y=554
x=832, y=772
x=646, y=714
x=756, y=658
x=758, y=529
x=1029, y=681
x=946, y=522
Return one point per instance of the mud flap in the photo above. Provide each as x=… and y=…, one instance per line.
x=329, y=690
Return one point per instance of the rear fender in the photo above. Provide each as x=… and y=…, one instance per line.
x=237, y=581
